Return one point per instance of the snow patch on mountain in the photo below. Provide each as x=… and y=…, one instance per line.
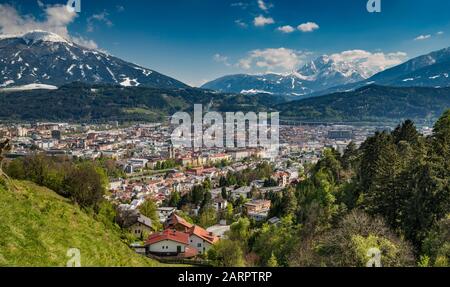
x=30, y=87
x=40, y=57
x=254, y=92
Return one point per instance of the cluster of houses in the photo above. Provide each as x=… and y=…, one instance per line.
x=180, y=239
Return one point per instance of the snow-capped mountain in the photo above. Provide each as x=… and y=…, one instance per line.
x=319, y=74
x=42, y=58
x=430, y=70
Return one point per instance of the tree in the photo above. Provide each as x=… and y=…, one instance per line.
x=207, y=199
x=107, y=214
x=207, y=184
x=197, y=195
x=224, y=193
x=5, y=146
x=331, y=163
x=276, y=242
x=174, y=199
x=226, y=253
x=436, y=246
x=150, y=210
x=288, y=202
x=86, y=184
x=223, y=181
x=425, y=200
x=350, y=156
x=317, y=201
x=406, y=132
x=207, y=217
x=240, y=231
x=349, y=245
x=16, y=169
x=229, y=213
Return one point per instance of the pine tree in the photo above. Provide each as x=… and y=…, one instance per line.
x=406, y=132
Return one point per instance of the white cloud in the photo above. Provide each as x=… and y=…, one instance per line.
x=241, y=23
x=85, y=42
x=422, y=37
x=100, y=17
x=369, y=63
x=262, y=21
x=57, y=19
x=286, y=29
x=308, y=27
x=221, y=59
x=241, y=5
x=275, y=60
x=264, y=6
x=440, y=33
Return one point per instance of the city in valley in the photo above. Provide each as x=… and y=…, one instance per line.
x=250, y=133
x=147, y=167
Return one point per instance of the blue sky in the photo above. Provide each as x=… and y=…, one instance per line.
x=199, y=40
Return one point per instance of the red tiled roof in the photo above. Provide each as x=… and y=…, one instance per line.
x=175, y=219
x=203, y=234
x=189, y=252
x=170, y=235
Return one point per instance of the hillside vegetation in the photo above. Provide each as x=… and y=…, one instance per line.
x=37, y=228
x=372, y=104
x=87, y=103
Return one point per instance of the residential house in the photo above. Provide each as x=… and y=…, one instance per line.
x=219, y=203
x=257, y=205
x=142, y=226
x=170, y=243
x=258, y=209
x=201, y=239
x=178, y=223
x=219, y=230
x=242, y=191
x=165, y=212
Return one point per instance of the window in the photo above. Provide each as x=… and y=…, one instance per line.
x=199, y=245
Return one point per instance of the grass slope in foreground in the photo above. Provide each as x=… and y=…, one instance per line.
x=37, y=227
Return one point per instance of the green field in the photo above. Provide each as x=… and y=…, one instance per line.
x=37, y=227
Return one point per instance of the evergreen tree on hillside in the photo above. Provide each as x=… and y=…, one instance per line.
x=350, y=156
x=406, y=132
x=441, y=143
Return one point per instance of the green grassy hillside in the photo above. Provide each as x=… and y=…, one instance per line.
x=37, y=227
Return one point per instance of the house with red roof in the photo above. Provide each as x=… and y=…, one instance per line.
x=177, y=223
x=201, y=240
x=170, y=243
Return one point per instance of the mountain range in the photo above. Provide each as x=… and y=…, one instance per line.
x=40, y=59
x=325, y=75
x=52, y=78
x=317, y=75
